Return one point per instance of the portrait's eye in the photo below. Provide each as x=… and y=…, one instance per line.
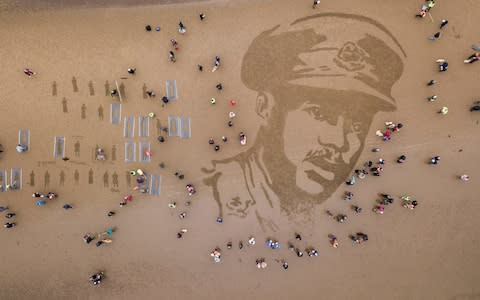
x=315, y=112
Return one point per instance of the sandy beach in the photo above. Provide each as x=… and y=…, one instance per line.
x=80, y=50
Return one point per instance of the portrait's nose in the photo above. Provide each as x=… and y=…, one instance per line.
x=334, y=135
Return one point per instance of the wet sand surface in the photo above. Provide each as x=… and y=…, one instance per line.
x=431, y=252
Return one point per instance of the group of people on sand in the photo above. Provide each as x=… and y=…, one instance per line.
x=8, y=215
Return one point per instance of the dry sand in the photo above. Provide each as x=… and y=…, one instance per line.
x=429, y=253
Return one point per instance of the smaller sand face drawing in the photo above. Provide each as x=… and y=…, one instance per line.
x=105, y=179
x=84, y=111
x=54, y=88
x=76, y=177
x=107, y=88
x=46, y=179
x=144, y=91
x=64, y=105
x=114, y=152
x=115, y=179
x=32, y=178
x=74, y=84
x=100, y=112
x=76, y=148
x=91, y=89
x=90, y=176
x=62, y=178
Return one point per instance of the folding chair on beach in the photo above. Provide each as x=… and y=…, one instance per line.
x=3, y=180
x=59, y=147
x=173, y=126
x=115, y=113
x=129, y=126
x=185, y=130
x=24, y=137
x=130, y=151
x=154, y=184
x=144, y=151
x=16, y=178
x=143, y=126
x=171, y=88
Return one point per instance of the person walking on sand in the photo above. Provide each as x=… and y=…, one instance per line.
x=131, y=71
x=174, y=44
x=472, y=58
x=435, y=160
x=476, y=106
x=443, y=65
x=434, y=37
x=216, y=64
x=464, y=177
x=423, y=12
x=28, y=72
x=315, y=3
x=431, y=82
x=202, y=16
x=171, y=56
x=9, y=225
x=443, y=110
x=181, y=28
x=443, y=23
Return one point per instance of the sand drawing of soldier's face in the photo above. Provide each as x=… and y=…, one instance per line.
x=319, y=81
x=320, y=144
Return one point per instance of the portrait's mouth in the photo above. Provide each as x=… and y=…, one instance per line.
x=325, y=162
x=319, y=169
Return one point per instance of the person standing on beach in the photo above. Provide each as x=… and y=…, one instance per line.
x=216, y=64
x=131, y=71
x=202, y=16
x=472, y=58
x=181, y=28
x=315, y=3
x=171, y=56
x=434, y=37
x=476, y=106
x=443, y=23
x=28, y=72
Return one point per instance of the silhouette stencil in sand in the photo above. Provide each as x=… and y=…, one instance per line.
x=107, y=88
x=76, y=148
x=105, y=179
x=159, y=127
x=74, y=84
x=32, y=178
x=144, y=91
x=62, y=178
x=122, y=90
x=46, y=179
x=90, y=176
x=100, y=112
x=64, y=105
x=114, y=152
x=84, y=111
x=91, y=89
x=54, y=88
x=115, y=179
x=76, y=177
x=128, y=178
x=327, y=84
